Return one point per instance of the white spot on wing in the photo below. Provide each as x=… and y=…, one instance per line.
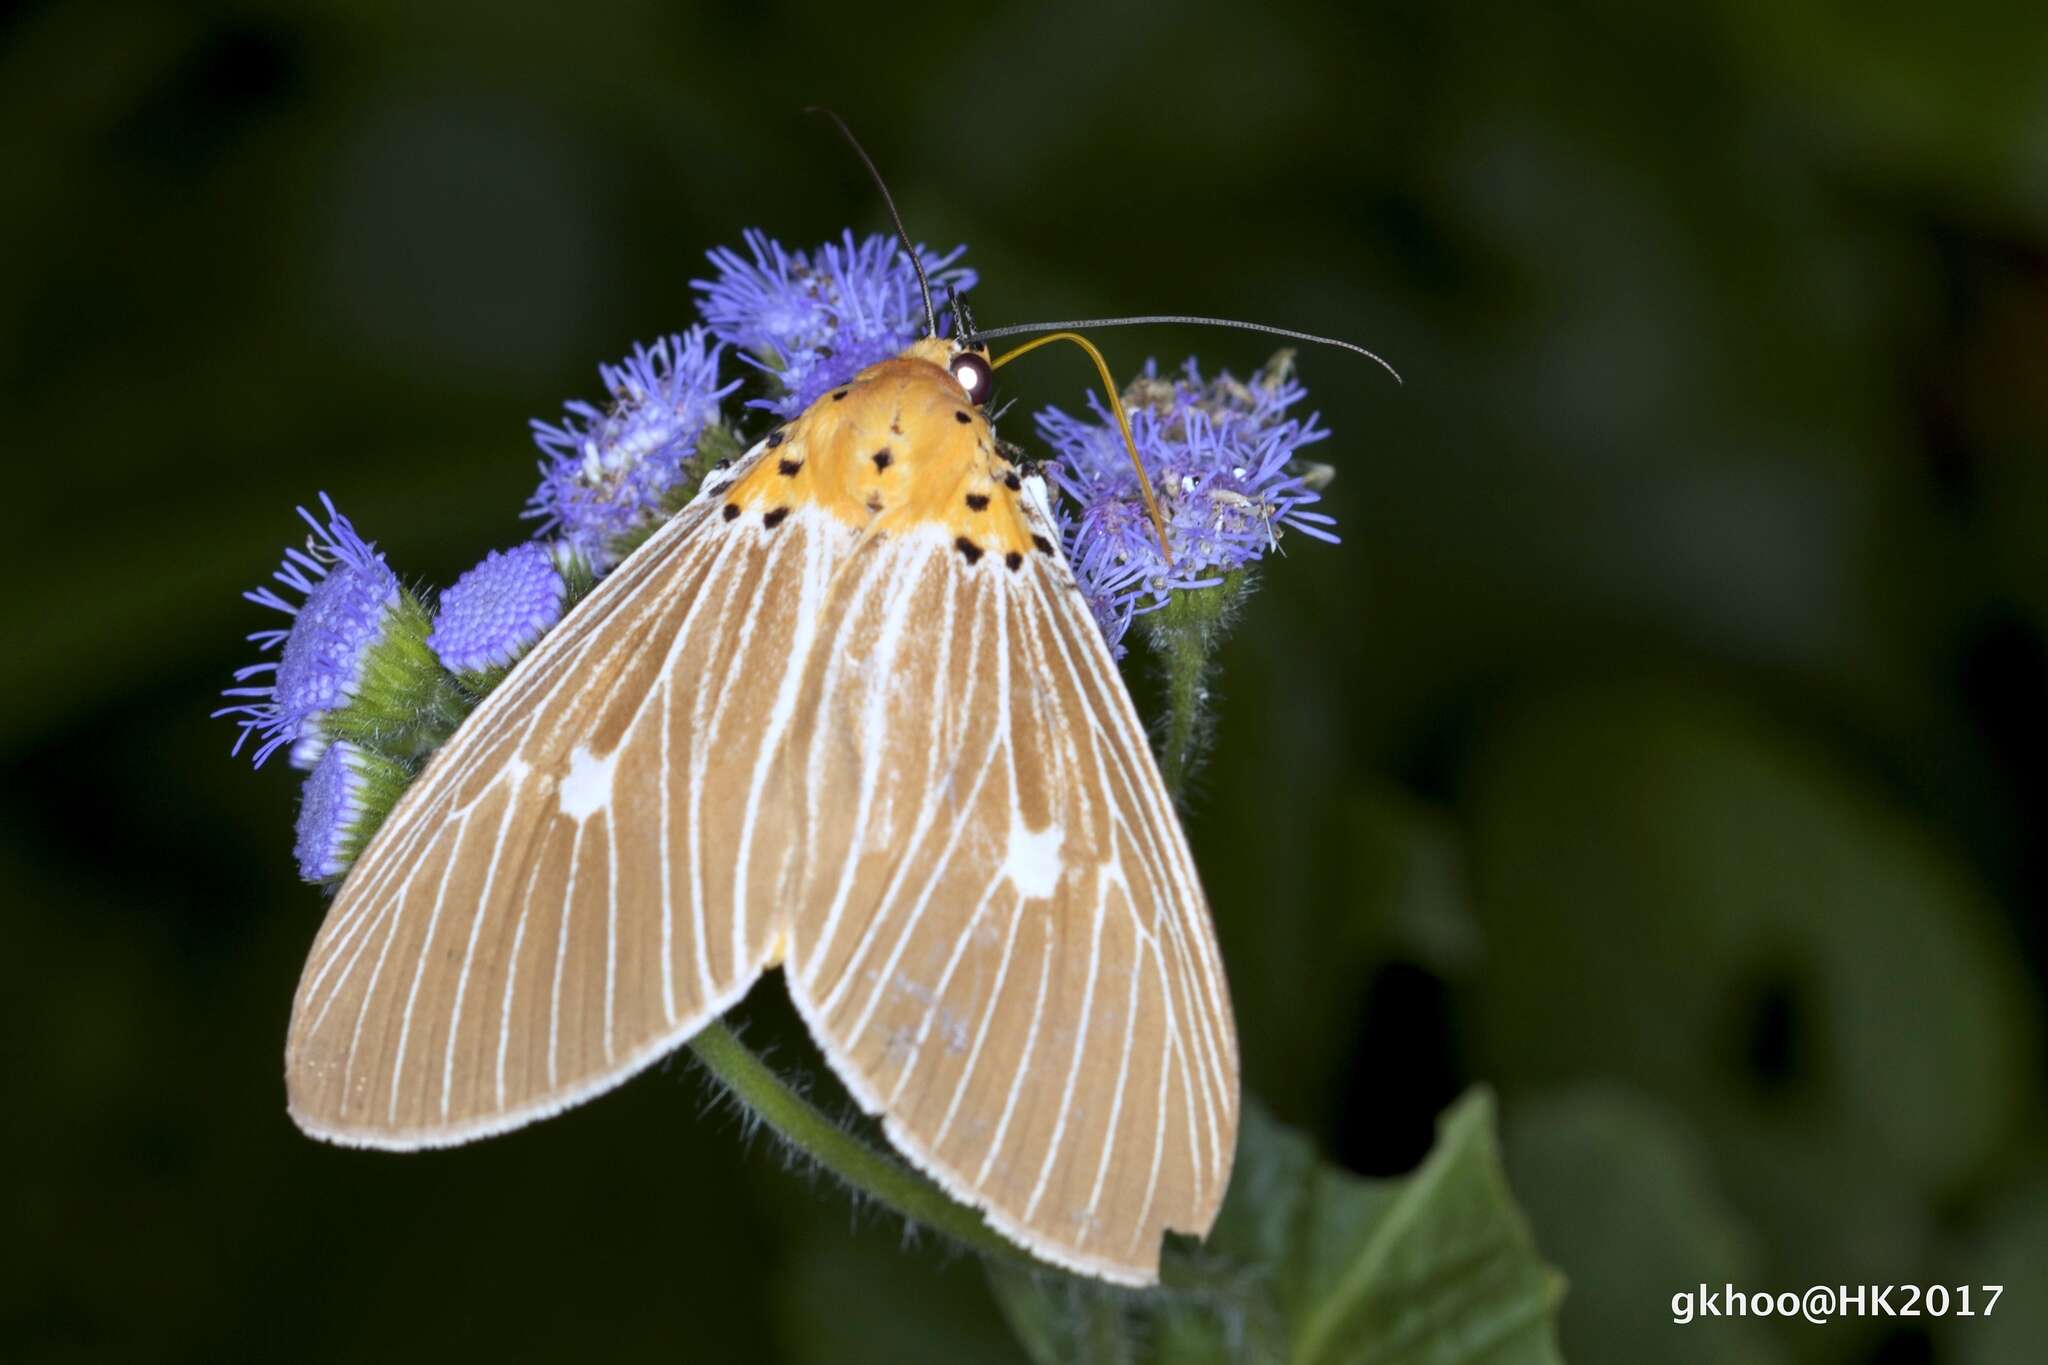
x=1032, y=861
x=587, y=788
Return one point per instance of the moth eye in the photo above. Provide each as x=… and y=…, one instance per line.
x=973, y=375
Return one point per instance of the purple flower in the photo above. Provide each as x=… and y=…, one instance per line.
x=349, y=594
x=498, y=610
x=1114, y=549
x=346, y=796
x=609, y=473
x=813, y=320
x=1221, y=455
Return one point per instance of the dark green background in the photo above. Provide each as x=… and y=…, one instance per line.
x=1663, y=746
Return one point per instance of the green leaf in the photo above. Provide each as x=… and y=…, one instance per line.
x=1312, y=1265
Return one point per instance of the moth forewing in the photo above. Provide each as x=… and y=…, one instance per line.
x=557, y=901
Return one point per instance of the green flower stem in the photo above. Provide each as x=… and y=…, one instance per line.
x=406, y=704
x=875, y=1174
x=1184, y=635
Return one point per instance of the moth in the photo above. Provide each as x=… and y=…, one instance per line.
x=846, y=715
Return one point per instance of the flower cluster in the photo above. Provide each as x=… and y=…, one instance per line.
x=365, y=685
x=354, y=695
x=350, y=600
x=346, y=796
x=369, y=677
x=498, y=610
x=812, y=320
x=1223, y=459
x=607, y=474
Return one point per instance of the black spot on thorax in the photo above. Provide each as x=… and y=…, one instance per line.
x=962, y=416
x=882, y=458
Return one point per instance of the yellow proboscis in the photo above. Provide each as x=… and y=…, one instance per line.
x=1116, y=406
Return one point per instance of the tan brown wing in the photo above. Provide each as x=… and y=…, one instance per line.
x=1003, y=947
x=593, y=866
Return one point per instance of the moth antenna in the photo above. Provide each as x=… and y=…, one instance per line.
x=1163, y=319
x=963, y=317
x=924, y=285
x=1116, y=405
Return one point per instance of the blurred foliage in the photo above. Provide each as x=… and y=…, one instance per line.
x=1664, y=747
x=2009, y=1249
x=1802, y=974
x=1626, y=1196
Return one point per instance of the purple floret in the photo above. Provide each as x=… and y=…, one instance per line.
x=498, y=610
x=1221, y=458
x=348, y=591
x=330, y=813
x=812, y=320
x=608, y=471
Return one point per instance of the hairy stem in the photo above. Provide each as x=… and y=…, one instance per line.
x=1187, y=685
x=873, y=1173
x=1183, y=636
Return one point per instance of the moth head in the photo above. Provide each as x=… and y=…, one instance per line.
x=971, y=370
